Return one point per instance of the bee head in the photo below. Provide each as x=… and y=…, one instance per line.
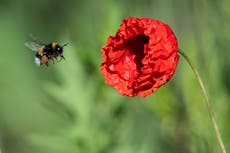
x=59, y=48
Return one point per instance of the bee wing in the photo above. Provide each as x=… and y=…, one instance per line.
x=33, y=45
x=35, y=39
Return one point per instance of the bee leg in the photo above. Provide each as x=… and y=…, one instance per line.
x=54, y=57
x=52, y=60
x=62, y=57
x=60, y=60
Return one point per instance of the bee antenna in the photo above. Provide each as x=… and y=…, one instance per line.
x=65, y=45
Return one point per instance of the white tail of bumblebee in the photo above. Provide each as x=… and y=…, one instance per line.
x=37, y=61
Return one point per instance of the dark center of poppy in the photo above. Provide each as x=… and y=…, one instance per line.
x=136, y=46
x=128, y=63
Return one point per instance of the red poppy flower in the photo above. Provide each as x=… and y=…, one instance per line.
x=141, y=57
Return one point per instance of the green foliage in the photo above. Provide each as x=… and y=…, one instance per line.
x=67, y=108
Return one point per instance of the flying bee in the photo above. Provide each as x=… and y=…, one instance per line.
x=46, y=52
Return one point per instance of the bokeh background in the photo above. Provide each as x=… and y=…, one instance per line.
x=67, y=108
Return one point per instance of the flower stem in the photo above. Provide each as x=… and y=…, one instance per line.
x=210, y=110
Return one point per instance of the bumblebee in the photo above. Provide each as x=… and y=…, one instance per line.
x=46, y=52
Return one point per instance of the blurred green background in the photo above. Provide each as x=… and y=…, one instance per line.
x=67, y=108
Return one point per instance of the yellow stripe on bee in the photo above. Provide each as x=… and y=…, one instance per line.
x=44, y=60
x=41, y=51
x=54, y=44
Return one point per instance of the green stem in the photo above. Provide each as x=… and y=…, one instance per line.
x=210, y=110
